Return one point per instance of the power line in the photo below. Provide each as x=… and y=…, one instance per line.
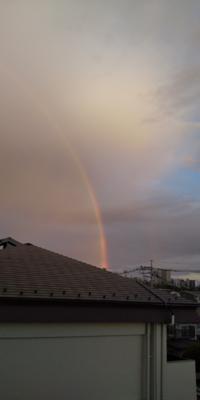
x=170, y=269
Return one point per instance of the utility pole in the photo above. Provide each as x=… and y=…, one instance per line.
x=151, y=273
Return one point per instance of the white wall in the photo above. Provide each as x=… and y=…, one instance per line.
x=75, y=362
x=180, y=382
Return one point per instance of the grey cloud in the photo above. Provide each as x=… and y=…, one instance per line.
x=158, y=208
x=175, y=235
x=192, y=163
x=182, y=91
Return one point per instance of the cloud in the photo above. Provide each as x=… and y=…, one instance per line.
x=163, y=231
x=182, y=91
x=105, y=79
x=192, y=163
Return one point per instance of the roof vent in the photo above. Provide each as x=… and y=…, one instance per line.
x=8, y=242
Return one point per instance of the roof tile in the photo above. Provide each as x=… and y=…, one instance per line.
x=30, y=272
x=33, y=272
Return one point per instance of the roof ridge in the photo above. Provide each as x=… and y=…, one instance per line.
x=151, y=291
x=50, y=251
x=67, y=257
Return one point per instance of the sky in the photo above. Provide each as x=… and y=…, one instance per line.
x=99, y=129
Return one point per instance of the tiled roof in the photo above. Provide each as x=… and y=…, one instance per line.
x=29, y=271
x=169, y=296
x=195, y=294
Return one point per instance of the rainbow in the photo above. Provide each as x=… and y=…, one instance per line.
x=96, y=208
x=104, y=263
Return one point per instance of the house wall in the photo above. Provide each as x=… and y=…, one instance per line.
x=180, y=384
x=74, y=361
x=90, y=361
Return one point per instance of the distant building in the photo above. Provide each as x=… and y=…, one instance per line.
x=184, y=283
x=192, y=284
x=161, y=276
